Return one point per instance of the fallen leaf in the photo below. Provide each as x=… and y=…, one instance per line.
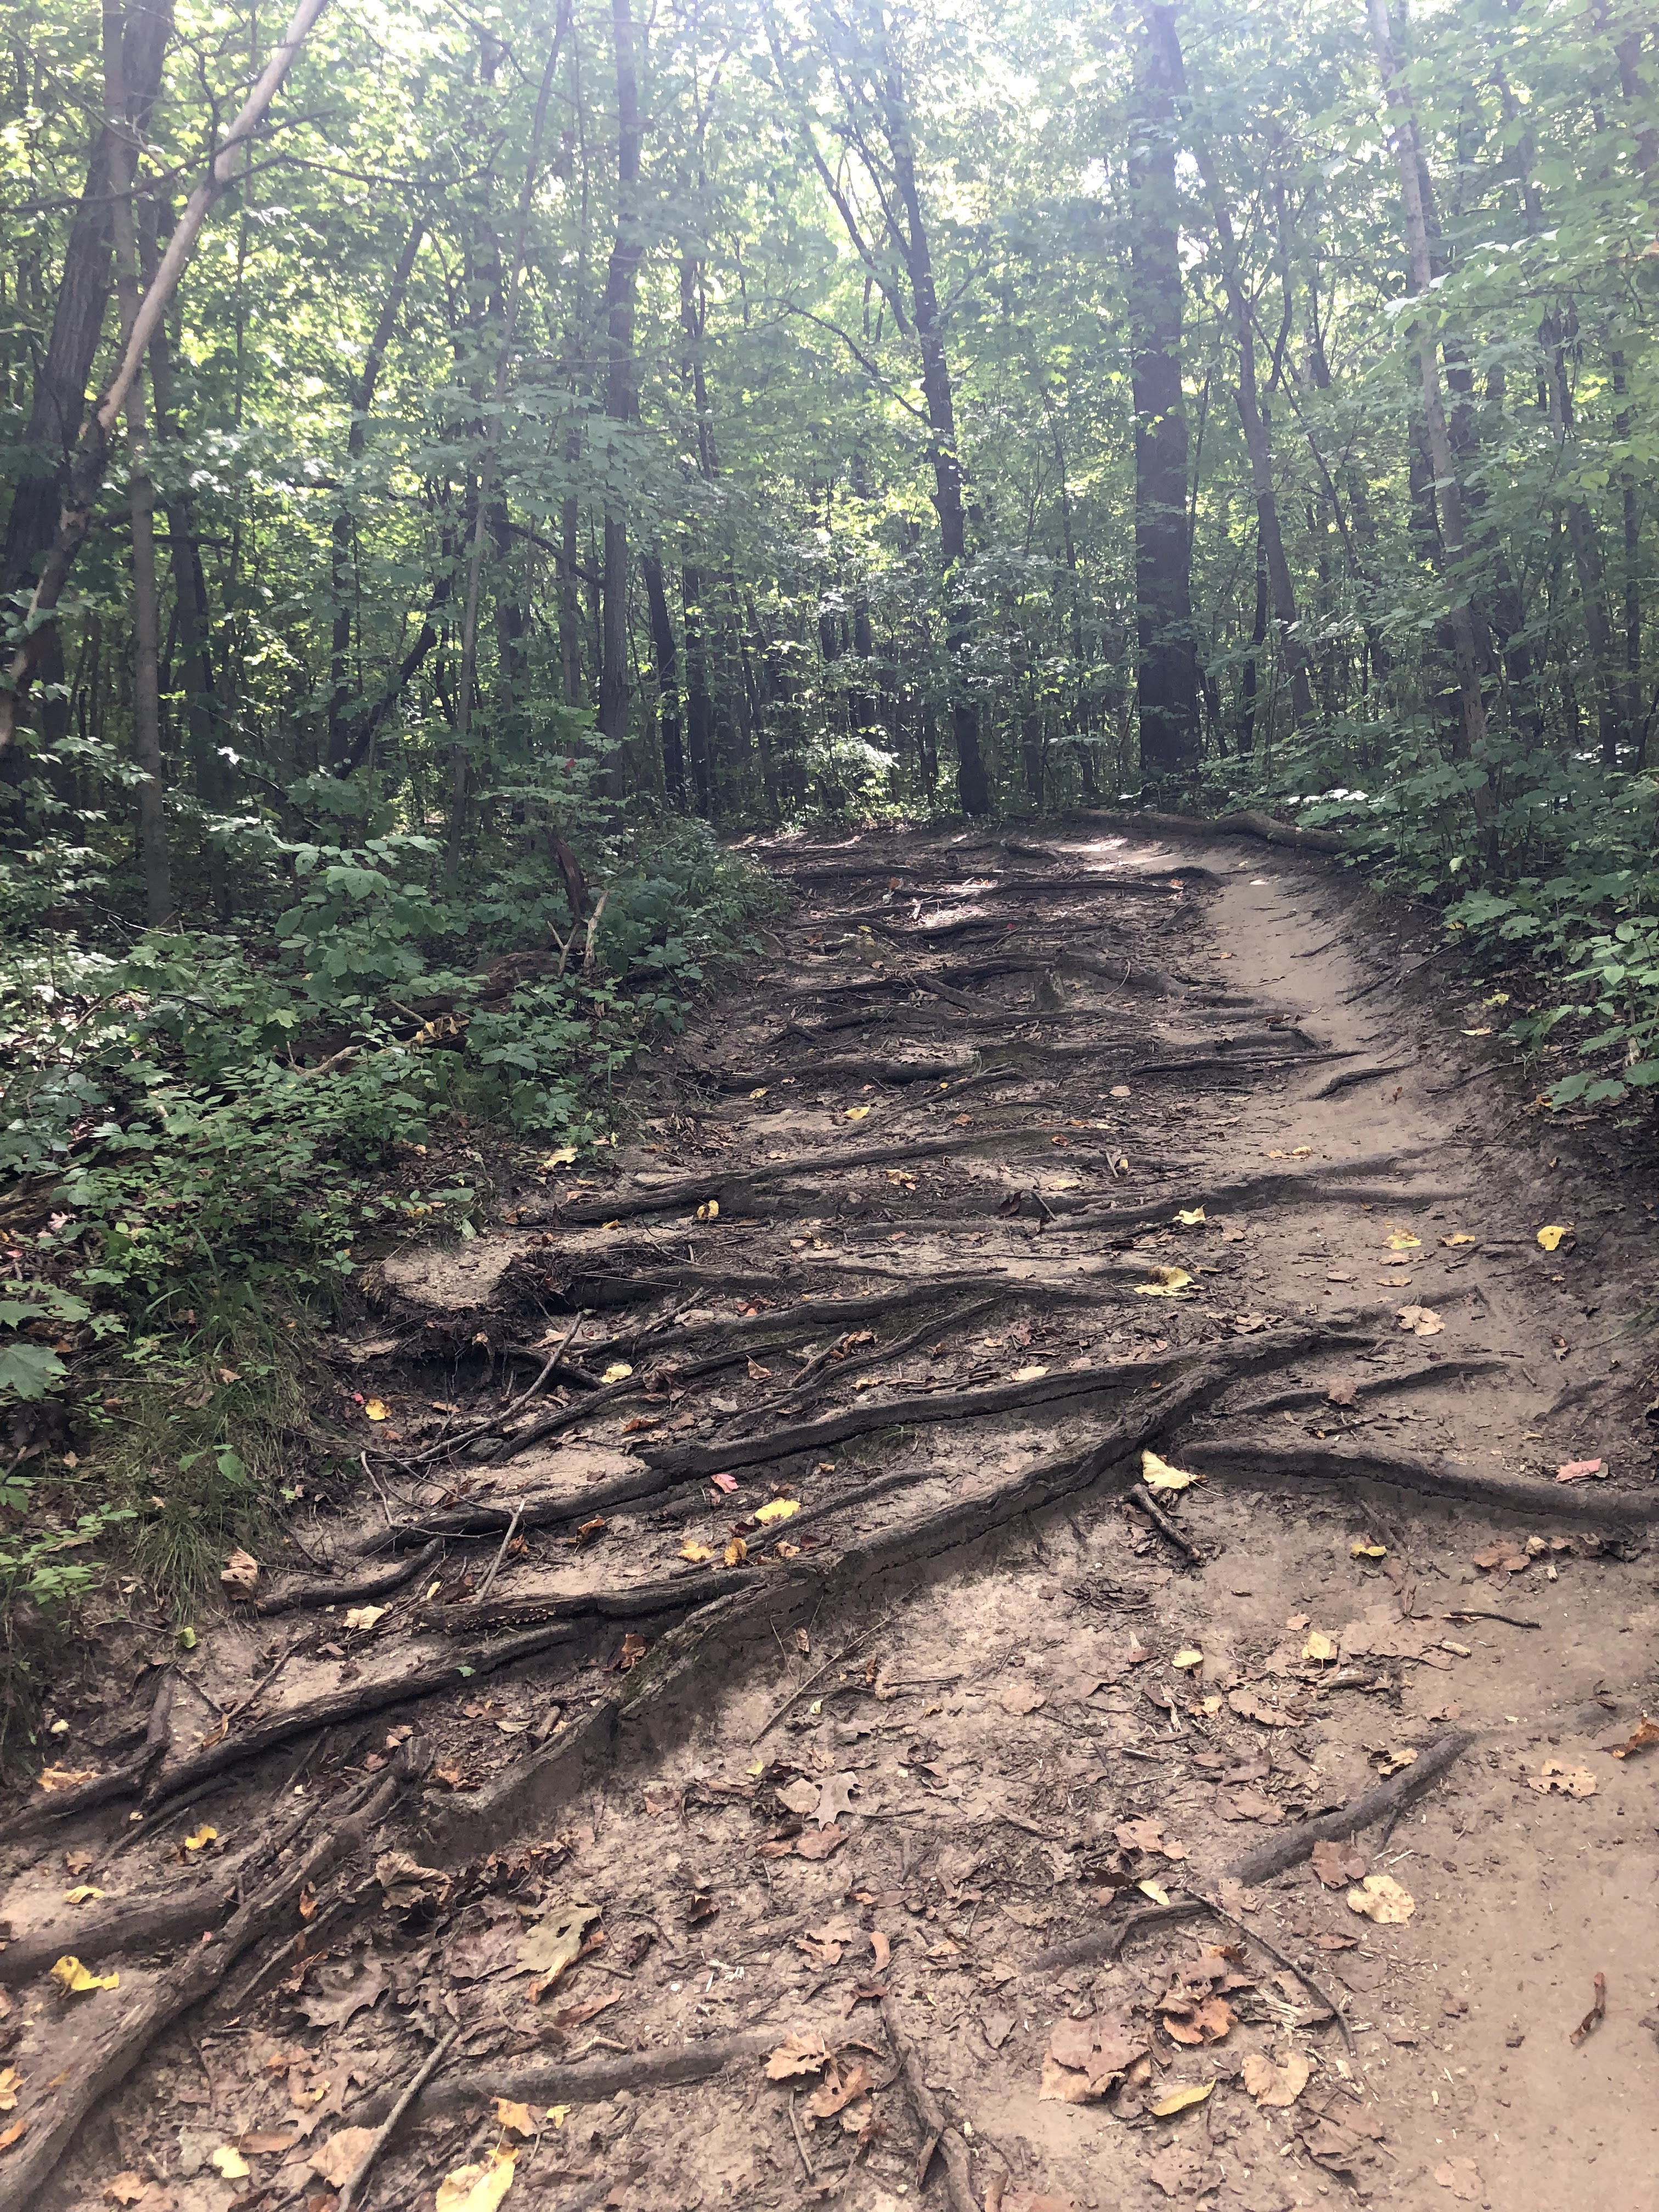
x=1147, y=1835
x=760, y=1093
x=1570, y=1781
x=736, y=1551
x=1165, y=1283
x=797, y=2055
x=1250, y=1703
x=338, y=2159
x=262, y=2142
x=240, y=1573
x=83, y=1894
x=1459, y=1236
x=229, y=2164
x=1093, y=2053
x=1402, y=1240
x=1157, y=1474
x=1022, y=1697
x=836, y=1798
x=1550, y=1237
x=1178, y=2098
x=1188, y=1659
x=1336, y=1864
x=1645, y=1732
x=516, y=2116
x=832, y=2095
x=618, y=1371
x=801, y=1796
x=820, y=1846
x=1463, y=2177
x=699, y=1554
x=1189, y=1218
x=346, y=1989
x=203, y=1837
x=125, y=2188
x=554, y=1942
x=10, y=2082
x=1319, y=1649
x=853, y=1113
x=1029, y=1374
x=378, y=1410
x=1577, y=1470
x=65, y=1778
x=75, y=1980
x=561, y=1157
x=709, y=1211
x=1363, y=1548
x=1421, y=1321
x=778, y=1508
x=1380, y=1898
x=1276, y=2085
x=728, y=1483
x=363, y=1617
x=14, y=2133
x=477, y=2188
x=1155, y=1890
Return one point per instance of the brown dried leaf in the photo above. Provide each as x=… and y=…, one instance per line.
x=828, y=2099
x=1336, y=1864
x=796, y=2055
x=1645, y=1733
x=1555, y=1774
x=1022, y=1697
x=555, y=1942
x=1463, y=2177
x=336, y=2159
x=1276, y=2085
x=821, y=1845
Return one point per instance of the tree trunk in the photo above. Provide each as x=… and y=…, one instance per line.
x=621, y=283
x=1468, y=641
x=699, y=707
x=666, y=660
x=363, y=399
x=972, y=787
x=86, y=473
x=1167, y=663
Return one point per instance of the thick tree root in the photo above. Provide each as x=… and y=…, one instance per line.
x=1286, y=1849
x=1589, y=1505
x=308, y=1597
x=55, y=2112
x=53, y=1806
x=546, y=2082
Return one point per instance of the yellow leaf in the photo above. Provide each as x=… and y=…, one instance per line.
x=83, y=1894
x=365, y=1616
x=1402, y=1240
x=779, y=1509
x=761, y=1093
x=1155, y=1890
x=1360, y=1549
x=618, y=1371
x=516, y=2116
x=229, y=2162
x=1187, y=1660
x=1459, y=1236
x=1177, y=2098
x=699, y=1554
x=1190, y=1219
x=1380, y=1898
x=1157, y=1474
x=1166, y=1283
x=73, y=1978
x=203, y=1837
x=477, y=2188
x=1029, y=1374
x=854, y=1113
x=1301, y=1151
x=1550, y=1237
x=1319, y=1648
x=561, y=1158
x=10, y=2082
x=557, y=2115
x=736, y=1552
x=709, y=1210
x=378, y=1410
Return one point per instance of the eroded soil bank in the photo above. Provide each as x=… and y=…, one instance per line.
x=763, y=1705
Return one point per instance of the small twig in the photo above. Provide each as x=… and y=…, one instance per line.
x=511, y=1531
x=795, y=2125
x=429, y=2065
x=1596, y=2014
x=1301, y=1973
x=1509, y=1619
x=1143, y=1501
x=828, y=1667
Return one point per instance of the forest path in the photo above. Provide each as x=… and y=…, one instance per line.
x=926, y=1705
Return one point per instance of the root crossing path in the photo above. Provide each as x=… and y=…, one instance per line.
x=986, y=1617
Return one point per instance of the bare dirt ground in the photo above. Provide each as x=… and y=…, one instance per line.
x=763, y=1718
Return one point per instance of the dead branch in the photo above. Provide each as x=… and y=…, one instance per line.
x=1143, y=1501
x=365, y=2165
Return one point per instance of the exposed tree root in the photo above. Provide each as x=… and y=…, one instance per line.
x=1592, y=1505
x=1347, y=1077
x=546, y=2082
x=352, y=1701
x=307, y=1597
x=937, y=2133
x=54, y=2114
x=1286, y=1849
x=1442, y=1370
x=1249, y=823
x=52, y=1806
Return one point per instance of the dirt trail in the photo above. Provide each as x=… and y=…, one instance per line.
x=795, y=1622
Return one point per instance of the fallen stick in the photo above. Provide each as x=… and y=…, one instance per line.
x=1594, y=1505
x=1248, y=822
x=309, y=1596
x=937, y=2132
x=119, y=2037
x=417, y=2081
x=1349, y=1076
x=1287, y=1850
